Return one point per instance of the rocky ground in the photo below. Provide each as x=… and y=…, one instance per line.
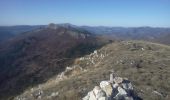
x=146, y=64
x=117, y=88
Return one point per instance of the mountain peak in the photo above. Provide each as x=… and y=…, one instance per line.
x=52, y=26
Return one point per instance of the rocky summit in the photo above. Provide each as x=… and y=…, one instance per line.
x=125, y=70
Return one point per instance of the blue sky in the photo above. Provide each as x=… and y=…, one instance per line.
x=126, y=13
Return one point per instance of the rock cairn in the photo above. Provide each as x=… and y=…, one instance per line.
x=117, y=88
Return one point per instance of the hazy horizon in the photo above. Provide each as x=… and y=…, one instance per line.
x=112, y=13
x=87, y=25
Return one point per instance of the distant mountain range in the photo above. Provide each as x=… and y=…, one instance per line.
x=158, y=35
x=123, y=33
x=7, y=32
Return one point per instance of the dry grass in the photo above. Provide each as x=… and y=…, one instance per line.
x=148, y=70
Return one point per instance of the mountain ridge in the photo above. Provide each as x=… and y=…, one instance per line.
x=152, y=34
x=33, y=57
x=146, y=64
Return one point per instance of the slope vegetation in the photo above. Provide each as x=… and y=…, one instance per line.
x=34, y=57
x=145, y=64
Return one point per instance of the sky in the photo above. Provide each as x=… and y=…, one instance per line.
x=128, y=13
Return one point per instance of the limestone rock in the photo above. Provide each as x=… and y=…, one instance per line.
x=157, y=93
x=122, y=91
x=118, y=80
x=54, y=94
x=96, y=94
x=119, y=89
